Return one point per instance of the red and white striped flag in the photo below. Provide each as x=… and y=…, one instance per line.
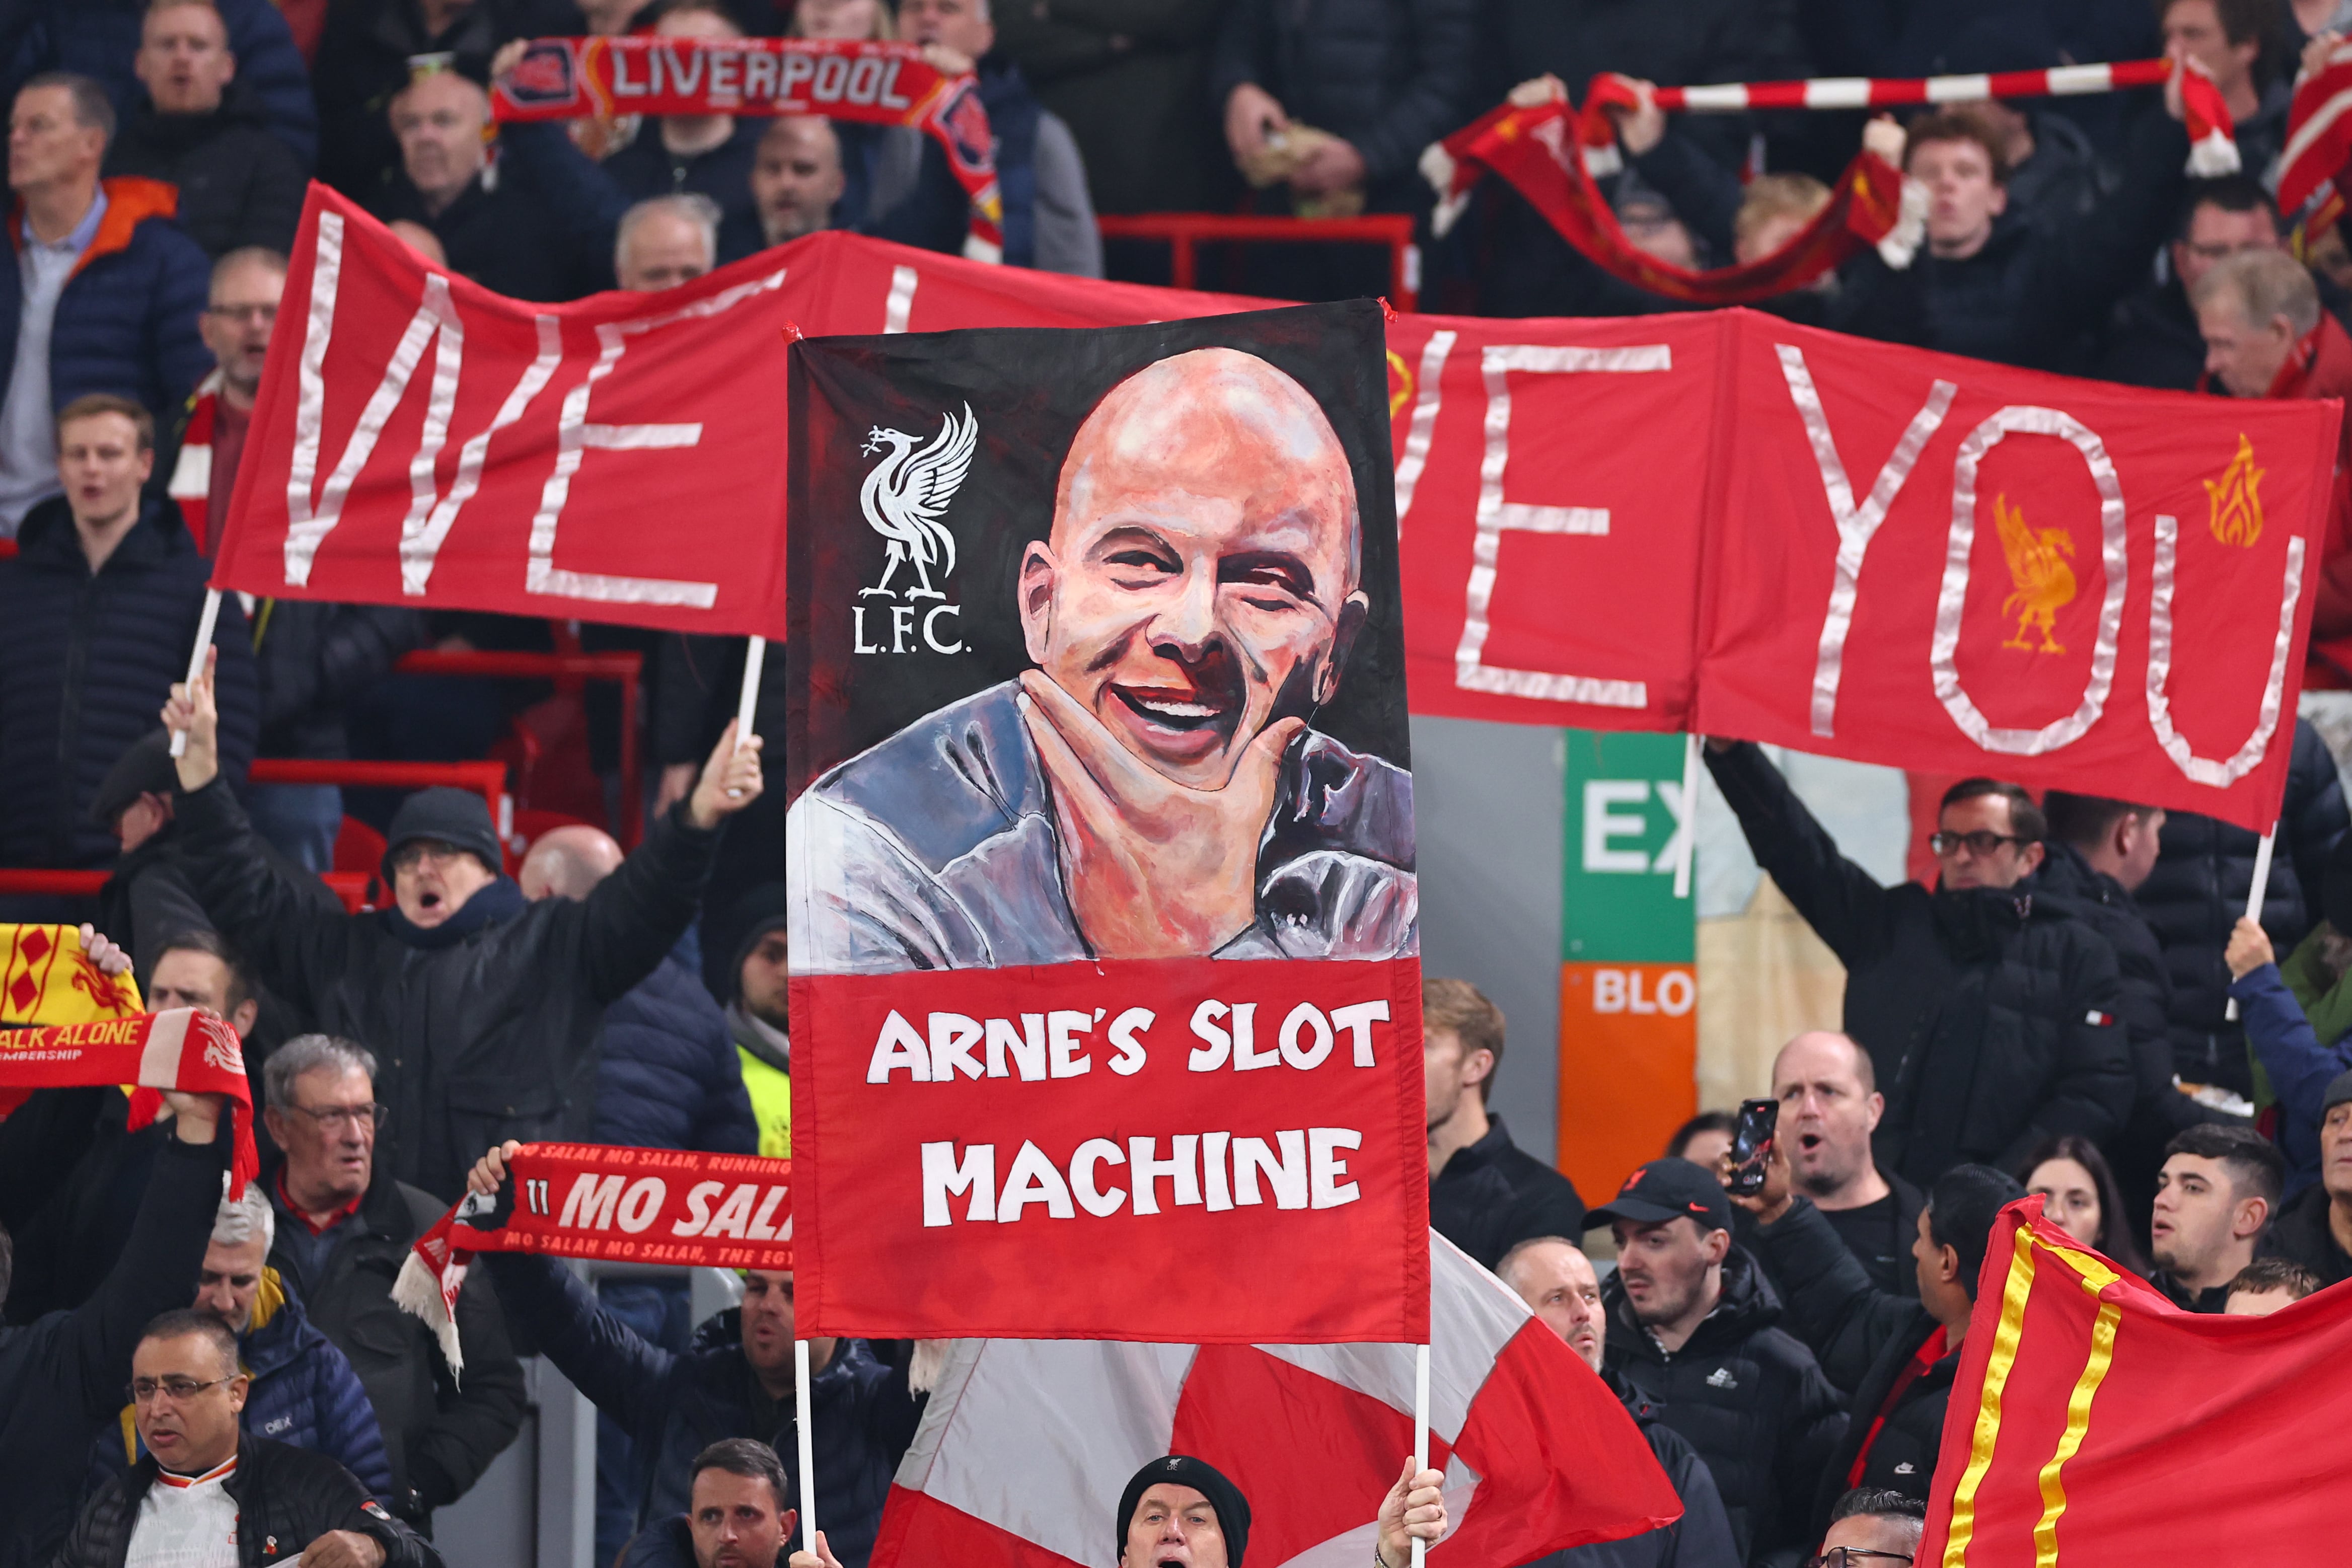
x=2318, y=136
x=1027, y=1443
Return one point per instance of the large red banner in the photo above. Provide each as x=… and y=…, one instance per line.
x=1709, y=520
x=2091, y=1416
x=1181, y=1115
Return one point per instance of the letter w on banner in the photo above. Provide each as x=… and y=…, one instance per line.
x=420, y=440
x=2090, y=1417
x=1105, y=923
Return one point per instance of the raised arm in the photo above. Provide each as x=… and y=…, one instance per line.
x=1843, y=903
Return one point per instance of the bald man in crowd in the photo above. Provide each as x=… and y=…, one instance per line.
x=1153, y=788
x=499, y=233
x=665, y=241
x=1830, y=1106
x=796, y=177
x=1557, y=1281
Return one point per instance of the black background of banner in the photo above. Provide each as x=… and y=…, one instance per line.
x=1030, y=387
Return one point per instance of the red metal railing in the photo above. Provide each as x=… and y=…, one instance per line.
x=1183, y=232
x=626, y=669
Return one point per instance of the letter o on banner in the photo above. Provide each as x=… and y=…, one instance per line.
x=1677, y=992
x=641, y=1203
x=1305, y=1018
x=2001, y=423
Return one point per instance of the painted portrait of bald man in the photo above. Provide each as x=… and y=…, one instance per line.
x=1153, y=786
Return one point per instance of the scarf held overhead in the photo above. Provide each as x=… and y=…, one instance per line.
x=867, y=83
x=1529, y=145
x=185, y=1048
x=592, y=1200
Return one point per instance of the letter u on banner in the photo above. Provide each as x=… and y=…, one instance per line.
x=2203, y=769
x=1952, y=602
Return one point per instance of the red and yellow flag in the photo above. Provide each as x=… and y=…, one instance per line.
x=2096, y=1424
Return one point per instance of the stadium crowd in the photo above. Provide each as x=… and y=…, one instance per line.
x=2034, y=1022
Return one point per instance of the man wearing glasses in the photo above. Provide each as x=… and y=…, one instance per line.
x=1990, y=1013
x=206, y=1494
x=343, y=1229
x=1872, y=1529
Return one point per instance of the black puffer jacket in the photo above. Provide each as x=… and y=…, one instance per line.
x=1389, y=76
x=1990, y=1017
x=86, y=660
x=238, y=183
x=2028, y=296
x=2198, y=892
x=1865, y=1340
x=1748, y=1397
x=439, y=1433
x=314, y=658
x=1701, y=1538
x=62, y=1378
x=285, y=1499
x=670, y=1078
x=479, y=1037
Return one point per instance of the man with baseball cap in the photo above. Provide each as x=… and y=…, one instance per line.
x=483, y=1009
x=1693, y=1324
x=2315, y=1229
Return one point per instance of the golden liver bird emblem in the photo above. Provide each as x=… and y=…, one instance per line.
x=2237, y=497
x=2043, y=582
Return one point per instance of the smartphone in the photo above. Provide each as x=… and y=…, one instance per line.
x=1751, y=1140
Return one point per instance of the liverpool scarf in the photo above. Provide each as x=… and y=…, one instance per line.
x=592, y=1200
x=184, y=1049
x=1554, y=155
x=46, y=978
x=868, y=83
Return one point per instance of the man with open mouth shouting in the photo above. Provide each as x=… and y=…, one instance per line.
x=1151, y=789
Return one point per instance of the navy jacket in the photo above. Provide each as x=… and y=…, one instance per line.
x=2300, y=1067
x=675, y=1405
x=670, y=1078
x=592, y=196
x=62, y=1378
x=127, y=320
x=86, y=661
x=304, y=1393
x=100, y=37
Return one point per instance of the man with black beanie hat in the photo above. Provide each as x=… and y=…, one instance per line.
x=1182, y=1511
x=484, y=1009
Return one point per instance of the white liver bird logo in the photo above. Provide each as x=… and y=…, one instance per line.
x=906, y=494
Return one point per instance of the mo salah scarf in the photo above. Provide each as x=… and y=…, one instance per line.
x=594, y=1200
x=1554, y=155
x=867, y=83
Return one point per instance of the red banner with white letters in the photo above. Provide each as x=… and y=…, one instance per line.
x=1712, y=519
x=969, y=1136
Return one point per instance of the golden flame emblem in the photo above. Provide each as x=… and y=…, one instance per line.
x=2237, y=497
x=1399, y=383
x=2042, y=582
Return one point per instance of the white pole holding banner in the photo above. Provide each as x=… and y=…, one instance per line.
x=1420, y=1433
x=806, y=1439
x=1688, y=826
x=2261, y=885
x=755, y=655
x=205, y=624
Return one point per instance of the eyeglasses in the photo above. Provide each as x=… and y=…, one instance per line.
x=142, y=1390
x=331, y=1116
x=1853, y=1557
x=1981, y=844
x=262, y=315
